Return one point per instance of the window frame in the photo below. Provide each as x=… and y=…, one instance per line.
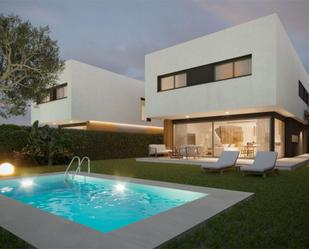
x=64, y=92
x=174, y=80
x=242, y=59
x=52, y=92
x=175, y=76
x=167, y=76
x=222, y=63
x=233, y=60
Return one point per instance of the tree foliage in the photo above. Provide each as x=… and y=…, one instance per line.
x=29, y=64
x=45, y=143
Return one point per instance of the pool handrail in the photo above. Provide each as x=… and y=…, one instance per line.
x=80, y=164
x=67, y=169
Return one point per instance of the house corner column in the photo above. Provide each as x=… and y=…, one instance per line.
x=168, y=133
x=272, y=134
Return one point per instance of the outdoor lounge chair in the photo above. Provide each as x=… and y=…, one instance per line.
x=265, y=161
x=227, y=160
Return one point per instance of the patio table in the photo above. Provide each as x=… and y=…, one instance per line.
x=187, y=151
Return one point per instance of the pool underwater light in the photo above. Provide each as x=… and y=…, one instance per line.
x=26, y=183
x=119, y=187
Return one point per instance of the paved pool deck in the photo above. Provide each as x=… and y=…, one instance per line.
x=45, y=230
x=286, y=163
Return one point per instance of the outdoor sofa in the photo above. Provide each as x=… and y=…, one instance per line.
x=158, y=149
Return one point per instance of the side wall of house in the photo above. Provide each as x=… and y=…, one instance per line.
x=258, y=90
x=101, y=95
x=58, y=110
x=289, y=71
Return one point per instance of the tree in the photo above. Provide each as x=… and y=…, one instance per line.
x=29, y=64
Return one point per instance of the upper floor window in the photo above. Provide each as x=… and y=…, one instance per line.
x=242, y=67
x=180, y=80
x=61, y=92
x=54, y=93
x=224, y=71
x=167, y=83
x=45, y=99
x=302, y=92
x=232, y=69
x=228, y=69
x=173, y=81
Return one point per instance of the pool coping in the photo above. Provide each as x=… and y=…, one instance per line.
x=44, y=230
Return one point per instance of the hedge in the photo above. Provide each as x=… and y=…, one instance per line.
x=110, y=145
x=94, y=144
x=13, y=138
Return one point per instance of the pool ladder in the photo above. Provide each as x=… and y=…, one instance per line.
x=79, y=164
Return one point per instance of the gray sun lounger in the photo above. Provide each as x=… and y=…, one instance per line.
x=265, y=161
x=227, y=160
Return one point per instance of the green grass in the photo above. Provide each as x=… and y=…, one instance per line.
x=276, y=217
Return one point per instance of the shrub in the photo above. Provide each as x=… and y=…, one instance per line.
x=13, y=138
x=94, y=144
x=46, y=144
x=109, y=145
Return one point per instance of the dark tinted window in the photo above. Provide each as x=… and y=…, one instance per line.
x=302, y=92
x=54, y=93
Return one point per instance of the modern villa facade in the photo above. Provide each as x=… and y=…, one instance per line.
x=242, y=88
x=91, y=98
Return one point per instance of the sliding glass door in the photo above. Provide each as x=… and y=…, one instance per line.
x=194, y=134
x=279, y=137
x=247, y=136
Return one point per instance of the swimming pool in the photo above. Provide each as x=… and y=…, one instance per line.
x=101, y=204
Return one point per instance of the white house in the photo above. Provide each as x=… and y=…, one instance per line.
x=241, y=88
x=88, y=97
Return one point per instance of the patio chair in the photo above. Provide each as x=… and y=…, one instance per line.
x=227, y=160
x=264, y=162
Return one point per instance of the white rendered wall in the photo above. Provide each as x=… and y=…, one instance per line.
x=252, y=92
x=289, y=71
x=94, y=94
x=58, y=110
x=101, y=95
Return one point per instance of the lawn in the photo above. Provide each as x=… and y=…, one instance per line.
x=276, y=217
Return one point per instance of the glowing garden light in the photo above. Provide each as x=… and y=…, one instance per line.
x=6, y=169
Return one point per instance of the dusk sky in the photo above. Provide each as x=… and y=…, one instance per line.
x=116, y=34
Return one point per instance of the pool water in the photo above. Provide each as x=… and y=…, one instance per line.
x=101, y=204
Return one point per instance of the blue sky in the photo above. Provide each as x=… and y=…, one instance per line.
x=116, y=34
